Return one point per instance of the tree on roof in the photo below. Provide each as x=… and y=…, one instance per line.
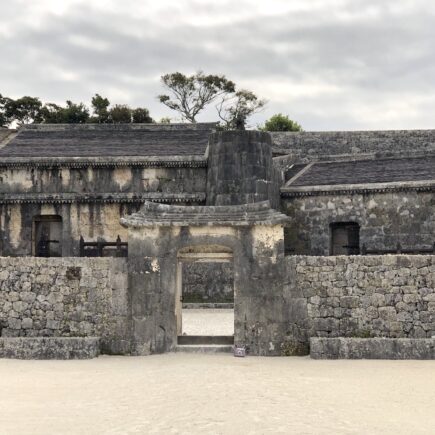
x=3, y=118
x=141, y=115
x=280, y=122
x=100, y=107
x=189, y=95
x=72, y=113
x=24, y=110
x=235, y=109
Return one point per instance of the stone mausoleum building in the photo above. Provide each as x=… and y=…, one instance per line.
x=108, y=231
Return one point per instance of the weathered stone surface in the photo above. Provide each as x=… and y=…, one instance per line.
x=39, y=297
x=372, y=348
x=240, y=169
x=208, y=282
x=385, y=219
x=49, y=347
x=369, y=300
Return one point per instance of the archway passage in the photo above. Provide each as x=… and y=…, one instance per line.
x=205, y=306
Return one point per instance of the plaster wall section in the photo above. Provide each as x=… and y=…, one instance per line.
x=68, y=297
x=385, y=219
x=101, y=179
x=94, y=221
x=360, y=296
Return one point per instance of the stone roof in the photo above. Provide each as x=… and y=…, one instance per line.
x=4, y=133
x=323, y=143
x=108, y=140
x=154, y=214
x=365, y=171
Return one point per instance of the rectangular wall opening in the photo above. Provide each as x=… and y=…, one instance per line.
x=206, y=299
x=47, y=236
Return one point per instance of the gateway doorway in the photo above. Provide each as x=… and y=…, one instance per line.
x=205, y=296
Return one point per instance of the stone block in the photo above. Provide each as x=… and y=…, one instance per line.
x=372, y=348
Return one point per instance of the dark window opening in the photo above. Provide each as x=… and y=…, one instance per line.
x=48, y=236
x=344, y=238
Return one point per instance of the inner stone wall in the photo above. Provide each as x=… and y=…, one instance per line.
x=360, y=296
x=208, y=282
x=65, y=297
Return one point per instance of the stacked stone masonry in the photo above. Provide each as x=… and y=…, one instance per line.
x=361, y=296
x=68, y=297
x=208, y=282
x=385, y=219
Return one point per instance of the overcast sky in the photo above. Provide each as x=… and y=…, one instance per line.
x=329, y=64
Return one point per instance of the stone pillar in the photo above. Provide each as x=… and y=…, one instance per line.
x=240, y=169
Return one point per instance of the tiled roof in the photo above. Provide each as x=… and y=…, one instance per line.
x=366, y=171
x=321, y=143
x=4, y=133
x=109, y=140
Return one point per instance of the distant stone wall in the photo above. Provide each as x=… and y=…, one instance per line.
x=65, y=297
x=208, y=282
x=308, y=145
x=361, y=296
x=385, y=219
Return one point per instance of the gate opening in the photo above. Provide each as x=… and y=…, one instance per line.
x=205, y=299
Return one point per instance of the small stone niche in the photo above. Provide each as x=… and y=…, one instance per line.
x=73, y=273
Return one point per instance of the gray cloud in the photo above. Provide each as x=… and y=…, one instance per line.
x=334, y=64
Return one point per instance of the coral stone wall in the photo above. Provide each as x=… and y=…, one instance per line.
x=385, y=220
x=65, y=297
x=208, y=282
x=361, y=296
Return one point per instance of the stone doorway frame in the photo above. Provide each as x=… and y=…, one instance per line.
x=255, y=235
x=226, y=256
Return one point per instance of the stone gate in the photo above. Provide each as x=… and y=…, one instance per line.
x=252, y=235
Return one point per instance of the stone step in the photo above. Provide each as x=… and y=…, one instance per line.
x=206, y=339
x=49, y=347
x=204, y=348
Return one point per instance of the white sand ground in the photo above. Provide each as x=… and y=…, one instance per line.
x=207, y=321
x=216, y=394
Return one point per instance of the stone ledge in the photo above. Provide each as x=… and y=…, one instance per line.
x=208, y=305
x=61, y=348
x=153, y=214
x=372, y=348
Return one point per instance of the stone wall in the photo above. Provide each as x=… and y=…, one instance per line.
x=360, y=296
x=240, y=169
x=208, y=282
x=65, y=297
x=385, y=219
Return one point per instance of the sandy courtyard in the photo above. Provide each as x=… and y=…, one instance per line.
x=216, y=394
x=208, y=321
